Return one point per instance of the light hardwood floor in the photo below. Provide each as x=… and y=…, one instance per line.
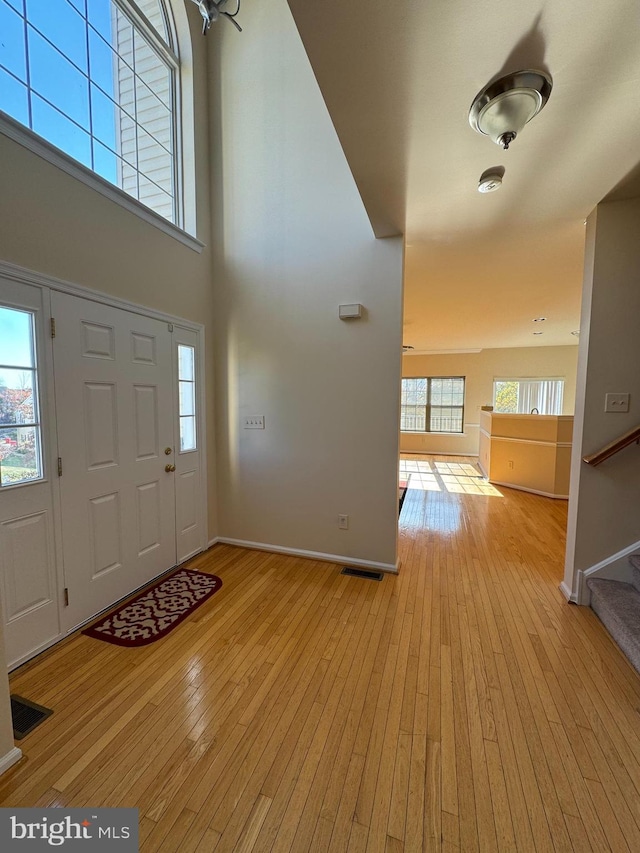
x=462, y=705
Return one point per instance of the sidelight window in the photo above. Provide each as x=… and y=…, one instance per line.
x=187, y=397
x=20, y=431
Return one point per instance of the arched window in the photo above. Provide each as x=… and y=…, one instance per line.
x=98, y=80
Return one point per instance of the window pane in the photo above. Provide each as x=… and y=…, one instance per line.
x=100, y=17
x=154, y=161
x=14, y=98
x=61, y=24
x=12, y=52
x=188, y=433
x=506, y=397
x=55, y=78
x=103, y=63
x=105, y=162
x=17, y=399
x=51, y=125
x=187, y=401
x=153, y=11
x=20, y=458
x=16, y=338
x=446, y=419
x=185, y=362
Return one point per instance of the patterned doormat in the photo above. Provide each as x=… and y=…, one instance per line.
x=157, y=610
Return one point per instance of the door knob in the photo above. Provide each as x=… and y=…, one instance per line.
x=169, y=468
x=167, y=451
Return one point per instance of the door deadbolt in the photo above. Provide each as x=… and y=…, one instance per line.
x=167, y=451
x=169, y=468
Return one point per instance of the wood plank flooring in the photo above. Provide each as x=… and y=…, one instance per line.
x=462, y=705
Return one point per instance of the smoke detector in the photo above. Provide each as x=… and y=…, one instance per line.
x=490, y=183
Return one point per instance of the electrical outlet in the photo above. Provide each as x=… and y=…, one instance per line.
x=343, y=522
x=253, y=422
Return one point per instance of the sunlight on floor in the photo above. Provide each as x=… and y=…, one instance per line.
x=452, y=477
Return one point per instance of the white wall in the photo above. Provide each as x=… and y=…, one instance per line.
x=603, y=509
x=292, y=242
x=54, y=224
x=479, y=370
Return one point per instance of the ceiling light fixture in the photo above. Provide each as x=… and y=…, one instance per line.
x=503, y=107
x=538, y=333
x=538, y=319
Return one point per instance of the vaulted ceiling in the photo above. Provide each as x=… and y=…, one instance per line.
x=398, y=80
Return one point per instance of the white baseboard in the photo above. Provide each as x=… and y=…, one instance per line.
x=212, y=542
x=531, y=491
x=613, y=568
x=12, y=757
x=436, y=453
x=571, y=598
x=313, y=555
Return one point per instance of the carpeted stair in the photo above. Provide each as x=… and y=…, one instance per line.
x=617, y=604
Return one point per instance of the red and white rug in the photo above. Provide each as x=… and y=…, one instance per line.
x=157, y=610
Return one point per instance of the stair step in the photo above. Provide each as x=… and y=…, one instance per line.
x=617, y=605
x=634, y=559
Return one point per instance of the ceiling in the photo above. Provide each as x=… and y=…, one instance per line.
x=398, y=80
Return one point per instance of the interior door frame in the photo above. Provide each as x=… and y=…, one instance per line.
x=22, y=275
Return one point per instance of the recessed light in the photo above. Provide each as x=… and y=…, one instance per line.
x=538, y=319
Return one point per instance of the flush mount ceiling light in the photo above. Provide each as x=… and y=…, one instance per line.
x=502, y=108
x=538, y=319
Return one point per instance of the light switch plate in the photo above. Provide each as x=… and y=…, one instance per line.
x=253, y=422
x=616, y=402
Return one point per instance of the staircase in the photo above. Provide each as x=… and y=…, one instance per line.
x=617, y=605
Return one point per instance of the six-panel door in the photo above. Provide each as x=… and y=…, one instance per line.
x=114, y=399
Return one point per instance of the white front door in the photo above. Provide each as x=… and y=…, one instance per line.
x=28, y=583
x=115, y=421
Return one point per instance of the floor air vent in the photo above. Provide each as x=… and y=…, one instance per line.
x=26, y=716
x=362, y=573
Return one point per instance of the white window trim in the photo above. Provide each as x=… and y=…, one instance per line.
x=36, y=144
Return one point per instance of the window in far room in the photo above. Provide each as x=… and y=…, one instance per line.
x=521, y=396
x=97, y=79
x=432, y=404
